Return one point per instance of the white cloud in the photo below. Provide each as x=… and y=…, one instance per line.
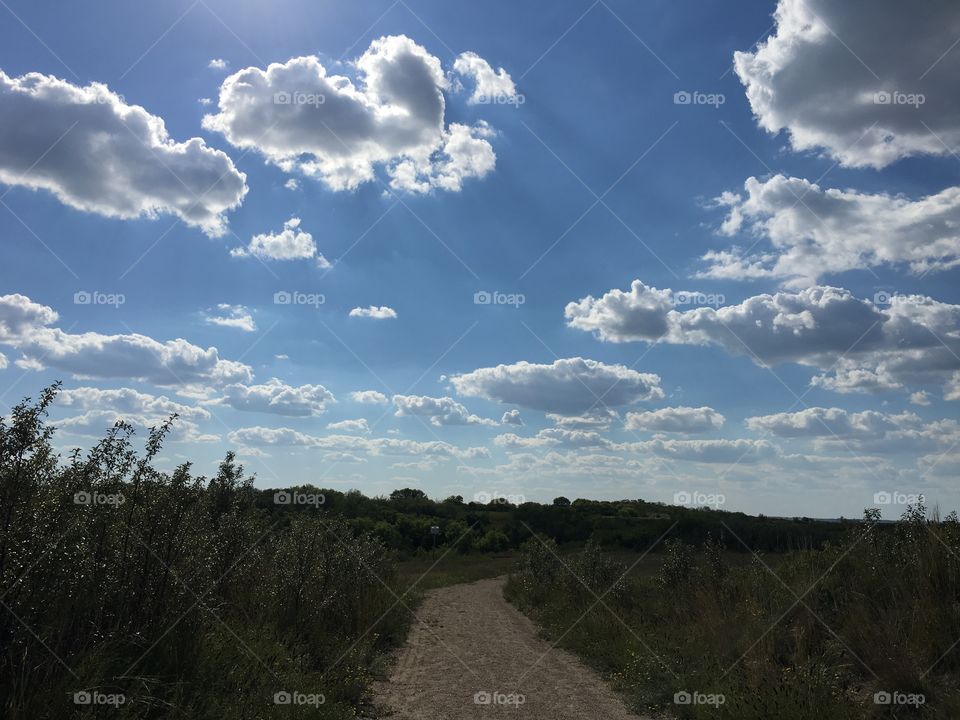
x=263, y=436
x=599, y=418
x=441, y=411
x=369, y=397
x=570, y=386
x=24, y=325
x=813, y=231
x=127, y=401
x=741, y=451
x=819, y=74
x=98, y=154
x=830, y=422
x=489, y=85
x=95, y=423
x=358, y=425
x=376, y=313
x=676, y=420
x=338, y=130
x=921, y=397
x=275, y=396
x=511, y=417
x=232, y=316
x=291, y=243
x=218, y=64
x=292, y=184
x=863, y=346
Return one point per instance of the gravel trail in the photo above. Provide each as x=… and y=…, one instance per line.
x=475, y=656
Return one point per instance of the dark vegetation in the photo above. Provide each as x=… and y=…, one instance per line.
x=203, y=597
x=833, y=633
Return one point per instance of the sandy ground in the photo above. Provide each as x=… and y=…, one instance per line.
x=475, y=656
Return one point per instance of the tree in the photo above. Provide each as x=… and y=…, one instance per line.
x=561, y=501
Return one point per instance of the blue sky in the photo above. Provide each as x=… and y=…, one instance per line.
x=748, y=298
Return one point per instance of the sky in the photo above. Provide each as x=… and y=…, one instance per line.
x=689, y=252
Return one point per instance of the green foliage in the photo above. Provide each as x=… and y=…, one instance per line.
x=176, y=591
x=813, y=633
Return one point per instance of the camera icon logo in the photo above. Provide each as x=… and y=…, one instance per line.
x=282, y=498
x=881, y=98
x=882, y=498
x=282, y=297
x=282, y=98
x=882, y=698
x=82, y=298
x=482, y=698
x=482, y=298
x=82, y=498
x=682, y=698
x=483, y=498
x=82, y=698
x=682, y=98
x=282, y=698
x=882, y=298
x=681, y=498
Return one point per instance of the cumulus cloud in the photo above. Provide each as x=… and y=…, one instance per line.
x=840, y=76
x=676, y=420
x=276, y=397
x=863, y=345
x=24, y=325
x=95, y=423
x=291, y=243
x=599, y=418
x=264, y=436
x=813, y=231
x=830, y=422
x=373, y=312
x=232, y=316
x=127, y=401
x=441, y=411
x=489, y=85
x=511, y=417
x=218, y=64
x=369, y=397
x=359, y=425
x=570, y=386
x=340, y=130
x=741, y=451
x=98, y=154
x=835, y=429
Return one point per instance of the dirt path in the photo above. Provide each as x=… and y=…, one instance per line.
x=475, y=656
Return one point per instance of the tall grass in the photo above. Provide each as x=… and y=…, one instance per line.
x=819, y=636
x=173, y=592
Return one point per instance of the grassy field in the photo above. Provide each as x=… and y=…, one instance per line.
x=860, y=629
x=439, y=569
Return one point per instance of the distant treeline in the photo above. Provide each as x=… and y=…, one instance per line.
x=403, y=521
